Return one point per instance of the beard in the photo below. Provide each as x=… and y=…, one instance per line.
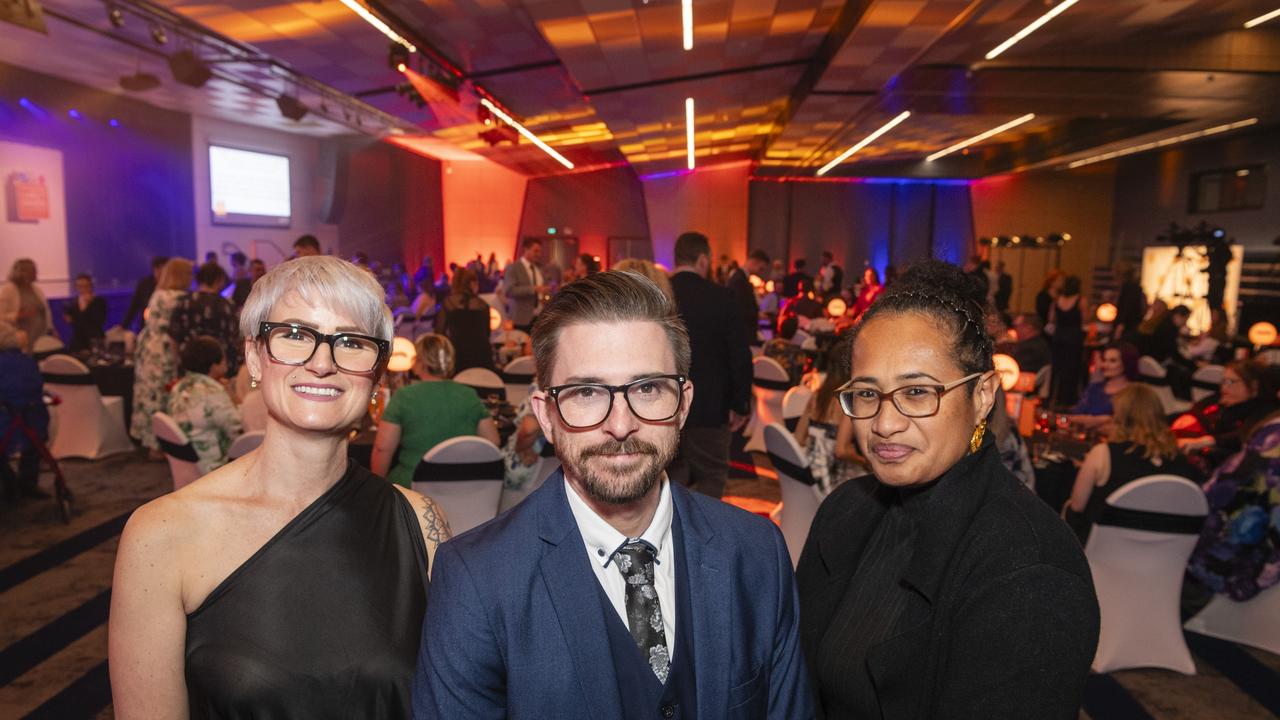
x=620, y=485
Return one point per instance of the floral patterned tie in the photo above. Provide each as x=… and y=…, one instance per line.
x=644, y=614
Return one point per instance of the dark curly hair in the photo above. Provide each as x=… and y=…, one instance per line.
x=943, y=293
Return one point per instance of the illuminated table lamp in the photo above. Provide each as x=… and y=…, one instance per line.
x=1008, y=370
x=403, y=355
x=1107, y=313
x=495, y=319
x=836, y=307
x=1262, y=334
x=768, y=286
x=756, y=282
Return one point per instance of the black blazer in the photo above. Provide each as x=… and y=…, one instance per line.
x=1001, y=620
x=721, y=368
x=744, y=297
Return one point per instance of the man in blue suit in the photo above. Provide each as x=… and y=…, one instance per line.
x=611, y=592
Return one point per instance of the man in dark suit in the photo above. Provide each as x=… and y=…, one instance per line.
x=721, y=369
x=791, y=283
x=611, y=592
x=744, y=293
x=1004, y=288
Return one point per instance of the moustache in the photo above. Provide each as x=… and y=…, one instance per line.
x=625, y=447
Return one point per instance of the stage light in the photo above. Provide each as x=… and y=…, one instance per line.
x=189, y=69
x=291, y=107
x=1163, y=143
x=377, y=22
x=1262, y=18
x=1035, y=25
x=525, y=132
x=1106, y=313
x=74, y=114
x=1262, y=333
x=401, y=67
x=686, y=22
x=159, y=35
x=113, y=123
x=495, y=319
x=688, y=129
x=865, y=142
x=403, y=355
x=115, y=15
x=1008, y=370
x=836, y=307
x=139, y=82
x=979, y=138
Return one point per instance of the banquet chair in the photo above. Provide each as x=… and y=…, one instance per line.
x=1138, y=552
x=46, y=345
x=800, y=494
x=177, y=450
x=1206, y=381
x=464, y=475
x=769, y=382
x=1154, y=374
x=794, y=403
x=1254, y=622
x=483, y=380
x=517, y=376
x=84, y=423
x=547, y=464
x=245, y=444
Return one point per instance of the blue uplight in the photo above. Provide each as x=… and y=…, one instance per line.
x=74, y=114
x=26, y=103
x=113, y=123
x=667, y=174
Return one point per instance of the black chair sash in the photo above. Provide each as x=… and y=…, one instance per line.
x=516, y=378
x=484, y=392
x=68, y=379
x=185, y=452
x=793, y=471
x=1151, y=521
x=1206, y=385
x=763, y=384
x=455, y=472
x=791, y=423
x=1153, y=380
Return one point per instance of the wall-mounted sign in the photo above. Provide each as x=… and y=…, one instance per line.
x=28, y=197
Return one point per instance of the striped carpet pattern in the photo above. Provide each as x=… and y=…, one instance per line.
x=55, y=589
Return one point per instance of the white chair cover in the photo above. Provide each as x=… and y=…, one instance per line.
x=1203, y=378
x=179, y=453
x=794, y=403
x=800, y=496
x=473, y=497
x=1153, y=373
x=514, y=375
x=46, y=345
x=85, y=424
x=1254, y=622
x=245, y=444
x=1138, y=578
x=769, y=384
x=483, y=380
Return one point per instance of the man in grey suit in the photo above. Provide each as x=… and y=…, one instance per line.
x=524, y=284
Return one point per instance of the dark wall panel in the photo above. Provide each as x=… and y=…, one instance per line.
x=768, y=217
x=589, y=206
x=953, y=238
x=913, y=218
x=129, y=188
x=394, y=205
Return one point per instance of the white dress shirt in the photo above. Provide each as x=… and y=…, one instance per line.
x=602, y=540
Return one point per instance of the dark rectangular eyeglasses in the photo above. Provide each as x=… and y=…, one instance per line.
x=294, y=344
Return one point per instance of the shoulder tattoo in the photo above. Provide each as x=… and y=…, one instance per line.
x=435, y=524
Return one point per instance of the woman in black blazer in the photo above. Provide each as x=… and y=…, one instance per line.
x=945, y=589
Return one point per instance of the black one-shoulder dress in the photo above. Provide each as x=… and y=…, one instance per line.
x=323, y=621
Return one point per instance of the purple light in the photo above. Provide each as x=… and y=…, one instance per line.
x=113, y=123
x=26, y=103
x=667, y=174
x=74, y=114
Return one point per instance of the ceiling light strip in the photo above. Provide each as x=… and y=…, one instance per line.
x=1262, y=18
x=686, y=20
x=688, y=129
x=377, y=22
x=979, y=138
x=1035, y=25
x=865, y=142
x=1163, y=143
x=498, y=113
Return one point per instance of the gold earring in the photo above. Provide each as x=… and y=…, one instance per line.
x=373, y=399
x=975, y=442
x=253, y=381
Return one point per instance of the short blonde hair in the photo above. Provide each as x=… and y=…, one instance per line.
x=1139, y=419
x=320, y=280
x=436, y=354
x=176, y=275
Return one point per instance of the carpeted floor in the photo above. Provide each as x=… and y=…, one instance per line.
x=55, y=583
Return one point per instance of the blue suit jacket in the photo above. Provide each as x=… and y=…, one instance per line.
x=514, y=627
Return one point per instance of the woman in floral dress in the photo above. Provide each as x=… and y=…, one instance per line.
x=200, y=404
x=156, y=363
